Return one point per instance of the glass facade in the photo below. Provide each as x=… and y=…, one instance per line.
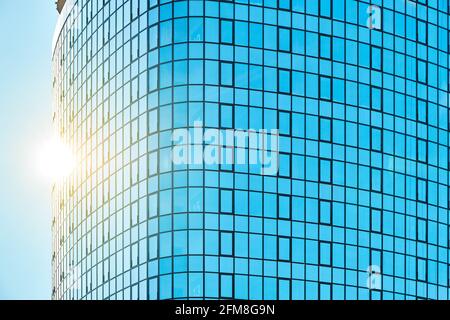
x=359, y=92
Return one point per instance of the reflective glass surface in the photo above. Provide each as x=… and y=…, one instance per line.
x=359, y=206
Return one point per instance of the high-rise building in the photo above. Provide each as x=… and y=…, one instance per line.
x=358, y=92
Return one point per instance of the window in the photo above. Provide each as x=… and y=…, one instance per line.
x=422, y=190
x=375, y=220
x=422, y=152
x=325, y=171
x=284, y=119
x=226, y=243
x=226, y=31
x=325, y=88
x=376, y=180
x=325, y=253
x=325, y=212
x=284, y=245
x=284, y=77
x=226, y=116
x=195, y=29
x=165, y=33
x=212, y=30
x=422, y=111
x=422, y=72
x=376, y=58
x=226, y=74
x=422, y=31
x=325, y=129
x=180, y=30
x=376, y=98
x=284, y=209
x=422, y=230
x=325, y=47
x=376, y=141
x=284, y=39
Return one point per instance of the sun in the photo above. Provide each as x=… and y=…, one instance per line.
x=55, y=159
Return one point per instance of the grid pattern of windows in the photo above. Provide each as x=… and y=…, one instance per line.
x=362, y=110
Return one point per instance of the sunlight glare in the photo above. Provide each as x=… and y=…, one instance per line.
x=55, y=160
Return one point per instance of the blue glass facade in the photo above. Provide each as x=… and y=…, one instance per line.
x=359, y=93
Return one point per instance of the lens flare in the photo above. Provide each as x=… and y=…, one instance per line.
x=55, y=160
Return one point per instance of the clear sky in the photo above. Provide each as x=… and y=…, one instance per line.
x=26, y=31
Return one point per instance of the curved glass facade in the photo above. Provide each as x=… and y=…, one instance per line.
x=358, y=92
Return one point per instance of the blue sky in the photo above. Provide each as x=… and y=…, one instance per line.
x=26, y=31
